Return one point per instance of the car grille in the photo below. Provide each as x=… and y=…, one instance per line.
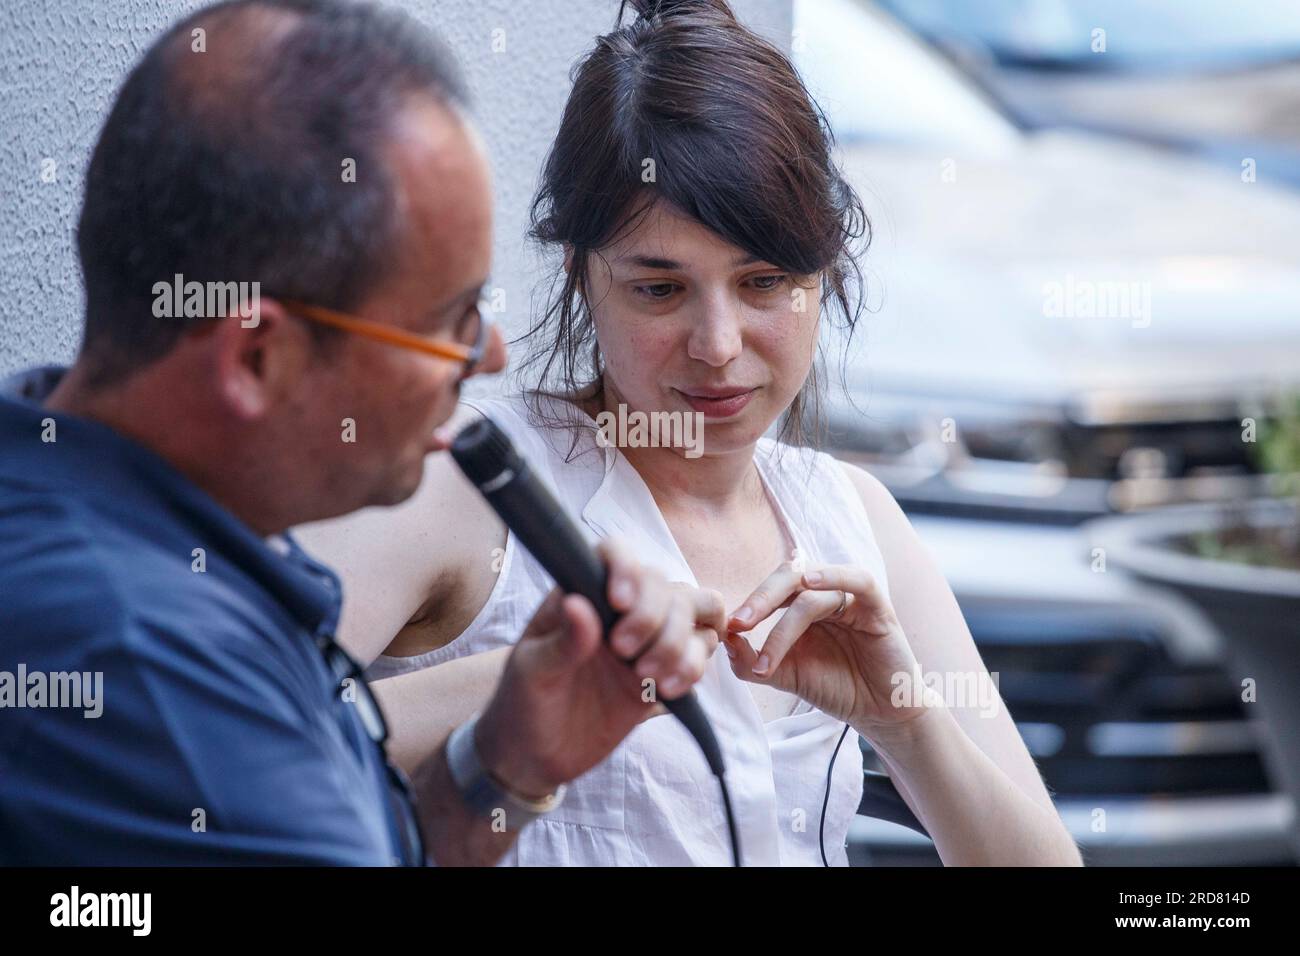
x=1109, y=716
x=1051, y=471
x=1172, y=450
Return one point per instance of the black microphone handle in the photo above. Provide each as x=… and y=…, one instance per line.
x=552, y=538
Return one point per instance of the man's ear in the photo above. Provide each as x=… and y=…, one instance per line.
x=260, y=357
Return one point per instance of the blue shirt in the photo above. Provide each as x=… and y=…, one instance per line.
x=223, y=737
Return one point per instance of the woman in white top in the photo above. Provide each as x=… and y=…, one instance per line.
x=706, y=235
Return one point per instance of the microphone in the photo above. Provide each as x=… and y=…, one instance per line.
x=492, y=464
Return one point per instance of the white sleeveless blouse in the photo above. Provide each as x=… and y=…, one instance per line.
x=653, y=802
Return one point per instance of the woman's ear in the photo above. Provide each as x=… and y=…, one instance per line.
x=568, y=258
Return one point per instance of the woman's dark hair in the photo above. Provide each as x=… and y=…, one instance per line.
x=737, y=144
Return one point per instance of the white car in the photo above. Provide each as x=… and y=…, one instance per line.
x=1062, y=325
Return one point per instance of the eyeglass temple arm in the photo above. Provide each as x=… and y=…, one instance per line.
x=382, y=333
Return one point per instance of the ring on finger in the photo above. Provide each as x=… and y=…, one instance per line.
x=844, y=602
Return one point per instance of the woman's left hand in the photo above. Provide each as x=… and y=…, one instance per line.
x=839, y=646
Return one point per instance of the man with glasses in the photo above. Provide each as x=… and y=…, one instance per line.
x=146, y=492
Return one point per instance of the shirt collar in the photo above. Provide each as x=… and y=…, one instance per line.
x=91, y=460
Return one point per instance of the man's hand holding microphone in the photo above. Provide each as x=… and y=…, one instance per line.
x=566, y=699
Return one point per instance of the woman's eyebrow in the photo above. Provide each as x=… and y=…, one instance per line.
x=654, y=262
x=649, y=262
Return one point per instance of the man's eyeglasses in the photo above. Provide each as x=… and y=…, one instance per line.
x=348, y=676
x=470, y=355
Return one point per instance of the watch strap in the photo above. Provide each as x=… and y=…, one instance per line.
x=483, y=793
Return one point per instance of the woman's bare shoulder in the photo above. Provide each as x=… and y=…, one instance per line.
x=912, y=571
x=879, y=502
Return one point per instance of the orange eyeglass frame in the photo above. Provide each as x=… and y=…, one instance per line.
x=470, y=355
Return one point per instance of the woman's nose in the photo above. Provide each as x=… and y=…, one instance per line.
x=716, y=337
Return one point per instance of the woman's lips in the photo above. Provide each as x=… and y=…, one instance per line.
x=718, y=403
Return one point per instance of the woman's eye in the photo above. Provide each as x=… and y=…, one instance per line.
x=657, y=290
x=768, y=283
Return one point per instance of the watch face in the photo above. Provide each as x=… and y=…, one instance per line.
x=546, y=804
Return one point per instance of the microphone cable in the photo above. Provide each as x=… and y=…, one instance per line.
x=826, y=800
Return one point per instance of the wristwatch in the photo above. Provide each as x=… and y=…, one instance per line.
x=484, y=794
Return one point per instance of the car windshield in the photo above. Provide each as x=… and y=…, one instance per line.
x=877, y=82
x=1140, y=35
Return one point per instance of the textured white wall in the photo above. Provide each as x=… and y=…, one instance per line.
x=62, y=61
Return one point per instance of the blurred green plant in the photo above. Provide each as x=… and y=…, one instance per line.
x=1277, y=453
x=1278, y=449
